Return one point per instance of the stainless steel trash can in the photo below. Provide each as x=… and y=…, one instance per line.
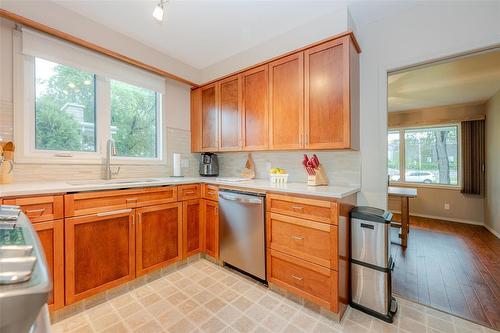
x=371, y=262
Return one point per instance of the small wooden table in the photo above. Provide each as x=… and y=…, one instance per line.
x=404, y=193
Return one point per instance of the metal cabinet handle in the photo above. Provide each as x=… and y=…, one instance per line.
x=297, y=208
x=131, y=199
x=114, y=212
x=298, y=278
x=188, y=192
x=297, y=237
x=31, y=211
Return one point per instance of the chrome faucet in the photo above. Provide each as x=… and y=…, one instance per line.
x=110, y=151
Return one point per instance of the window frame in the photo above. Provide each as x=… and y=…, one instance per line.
x=24, y=123
x=402, y=157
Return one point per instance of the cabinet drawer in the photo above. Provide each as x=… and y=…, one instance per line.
x=310, y=281
x=39, y=209
x=312, y=241
x=87, y=203
x=188, y=192
x=312, y=209
x=210, y=192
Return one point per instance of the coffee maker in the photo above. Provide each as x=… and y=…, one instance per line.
x=209, y=165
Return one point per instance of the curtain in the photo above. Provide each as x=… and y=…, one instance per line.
x=473, y=156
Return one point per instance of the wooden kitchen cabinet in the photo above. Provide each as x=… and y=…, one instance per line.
x=100, y=252
x=331, y=92
x=39, y=208
x=255, y=108
x=195, y=120
x=286, y=102
x=210, y=216
x=51, y=235
x=192, y=228
x=158, y=236
x=209, y=118
x=230, y=96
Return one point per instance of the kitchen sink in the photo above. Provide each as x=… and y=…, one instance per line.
x=112, y=181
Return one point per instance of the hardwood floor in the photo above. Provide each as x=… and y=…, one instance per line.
x=450, y=266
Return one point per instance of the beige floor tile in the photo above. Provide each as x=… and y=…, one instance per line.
x=274, y=323
x=202, y=297
x=71, y=323
x=257, y=312
x=215, y=304
x=129, y=309
x=122, y=300
x=304, y=321
x=103, y=322
x=138, y=319
x=244, y=324
x=170, y=317
x=150, y=327
x=213, y=325
x=118, y=327
x=242, y=303
x=199, y=315
x=182, y=326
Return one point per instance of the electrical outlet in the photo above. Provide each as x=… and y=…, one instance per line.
x=185, y=163
x=268, y=166
x=447, y=206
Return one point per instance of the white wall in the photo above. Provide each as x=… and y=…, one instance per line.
x=492, y=204
x=325, y=26
x=427, y=31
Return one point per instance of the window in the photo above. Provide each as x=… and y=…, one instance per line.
x=64, y=108
x=430, y=155
x=70, y=101
x=134, y=118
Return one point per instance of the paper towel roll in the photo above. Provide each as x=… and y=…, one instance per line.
x=177, y=165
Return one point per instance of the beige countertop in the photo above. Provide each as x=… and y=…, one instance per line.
x=18, y=189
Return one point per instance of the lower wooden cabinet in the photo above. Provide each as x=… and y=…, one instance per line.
x=100, y=252
x=313, y=282
x=192, y=228
x=158, y=236
x=210, y=216
x=51, y=235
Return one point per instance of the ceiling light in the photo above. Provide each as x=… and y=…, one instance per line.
x=158, y=12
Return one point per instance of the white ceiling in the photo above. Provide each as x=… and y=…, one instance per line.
x=464, y=80
x=202, y=33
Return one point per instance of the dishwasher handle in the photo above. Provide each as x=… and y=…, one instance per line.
x=240, y=199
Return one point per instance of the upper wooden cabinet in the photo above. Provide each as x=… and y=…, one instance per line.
x=307, y=99
x=286, y=102
x=255, y=108
x=230, y=114
x=330, y=122
x=204, y=118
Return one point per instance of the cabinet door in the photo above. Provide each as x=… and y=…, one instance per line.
x=327, y=123
x=158, y=236
x=286, y=102
x=255, y=108
x=195, y=120
x=192, y=228
x=210, y=216
x=51, y=235
x=100, y=252
x=209, y=118
x=230, y=114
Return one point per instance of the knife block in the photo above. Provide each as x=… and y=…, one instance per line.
x=319, y=178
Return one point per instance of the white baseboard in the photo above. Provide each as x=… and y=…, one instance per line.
x=450, y=219
x=493, y=231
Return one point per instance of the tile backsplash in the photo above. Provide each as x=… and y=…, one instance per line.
x=342, y=167
x=178, y=141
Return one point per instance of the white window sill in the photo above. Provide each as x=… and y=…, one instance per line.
x=429, y=186
x=87, y=161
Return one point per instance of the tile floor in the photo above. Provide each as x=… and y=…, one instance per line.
x=203, y=297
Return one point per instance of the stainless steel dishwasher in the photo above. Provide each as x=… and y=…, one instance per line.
x=242, y=232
